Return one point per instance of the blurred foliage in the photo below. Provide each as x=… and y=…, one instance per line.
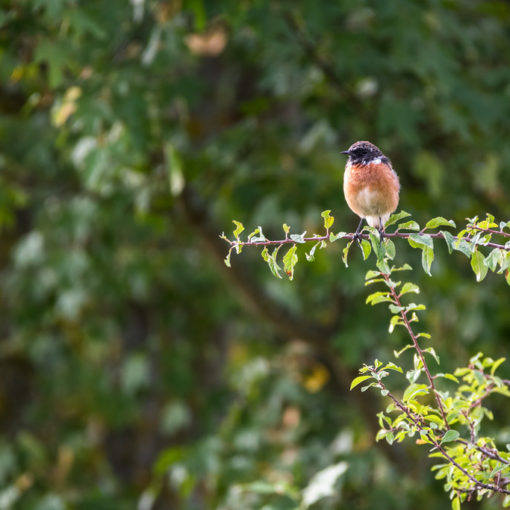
x=134, y=370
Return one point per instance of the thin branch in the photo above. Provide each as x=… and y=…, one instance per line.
x=267, y=242
x=478, y=401
x=351, y=236
x=486, y=451
x=287, y=324
x=437, y=445
x=489, y=230
x=403, y=314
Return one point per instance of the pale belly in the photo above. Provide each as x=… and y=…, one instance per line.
x=374, y=206
x=370, y=202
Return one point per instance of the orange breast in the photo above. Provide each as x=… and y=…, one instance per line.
x=372, y=189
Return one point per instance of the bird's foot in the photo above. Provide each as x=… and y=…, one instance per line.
x=357, y=237
x=380, y=229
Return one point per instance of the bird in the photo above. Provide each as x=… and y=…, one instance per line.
x=371, y=186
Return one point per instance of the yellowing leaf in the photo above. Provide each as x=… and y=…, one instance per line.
x=239, y=228
x=328, y=220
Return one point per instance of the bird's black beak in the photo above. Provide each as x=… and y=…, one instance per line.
x=345, y=152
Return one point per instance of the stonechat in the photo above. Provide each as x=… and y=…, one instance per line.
x=371, y=186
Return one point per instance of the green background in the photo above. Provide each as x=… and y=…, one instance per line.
x=136, y=370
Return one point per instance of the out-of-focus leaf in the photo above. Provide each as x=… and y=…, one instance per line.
x=323, y=483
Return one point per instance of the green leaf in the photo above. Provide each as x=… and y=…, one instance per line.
x=334, y=237
x=396, y=217
x=464, y=247
x=478, y=265
x=426, y=244
x=392, y=366
x=494, y=259
x=389, y=246
x=409, y=225
x=328, y=220
x=409, y=287
x=439, y=222
x=378, y=297
x=414, y=390
x=365, y=248
x=380, y=434
x=451, y=377
x=405, y=267
x=413, y=375
x=480, y=379
x=290, y=259
x=496, y=364
x=427, y=257
x=420, y=241
x=359, y=380
x=345, y=253
x=311, y=255
x=254, y=233
x=298, y=238
x=432, y=352
x=271, y=260
x=456, y=503
x=396, y=320
x=239, y=228
x=448, y=238
x=497, y=469
x=435, y=419
x=257, y=238
x=376, y=246
x=414, y=307
x=227, y=258
x=382, y=265
x=449, y=436
x=273, y=264
x=286, y=229
x=488, y=222
x=372, y=274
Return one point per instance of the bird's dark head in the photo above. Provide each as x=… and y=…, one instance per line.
x=363, y=152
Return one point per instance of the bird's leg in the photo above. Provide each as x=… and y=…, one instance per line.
x=357, y=236
x=380, y=229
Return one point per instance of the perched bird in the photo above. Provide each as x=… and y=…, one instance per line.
x=371, y=186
